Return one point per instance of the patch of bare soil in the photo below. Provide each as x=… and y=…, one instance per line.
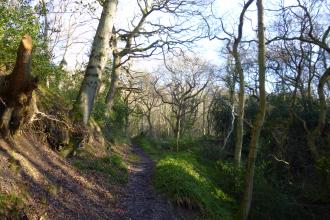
x=51, y=186
x=142, y=201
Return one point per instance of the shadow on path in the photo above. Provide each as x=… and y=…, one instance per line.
x=143, y=202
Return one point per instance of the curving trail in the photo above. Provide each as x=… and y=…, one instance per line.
x=142, y=201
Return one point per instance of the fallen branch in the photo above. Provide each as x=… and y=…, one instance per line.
x=53, y=118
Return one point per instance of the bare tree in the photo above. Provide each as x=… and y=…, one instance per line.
x=149, y=100
x=233, y=42
x=147, y=37
x=181, y=89
x=307, y=31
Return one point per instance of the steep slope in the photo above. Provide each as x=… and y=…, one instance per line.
x=36, y=182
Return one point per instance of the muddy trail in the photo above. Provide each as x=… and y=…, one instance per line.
x=142, y=202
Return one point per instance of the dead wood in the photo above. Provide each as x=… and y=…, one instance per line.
x=16, y=106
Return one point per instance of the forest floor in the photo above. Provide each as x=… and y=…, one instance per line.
x=142, y=201
x=50, y=186
x=53, y=187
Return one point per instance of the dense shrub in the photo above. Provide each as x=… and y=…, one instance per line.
x=268, y=201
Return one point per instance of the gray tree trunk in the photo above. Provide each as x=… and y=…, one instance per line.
x=97, y=61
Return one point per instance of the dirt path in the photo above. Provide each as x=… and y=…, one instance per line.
x=57, y=190
x=143, y=202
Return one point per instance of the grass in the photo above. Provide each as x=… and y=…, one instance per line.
x=11, y=206
x=200, y=177
x=113, y=166
x=185, y=181
x=152, y=148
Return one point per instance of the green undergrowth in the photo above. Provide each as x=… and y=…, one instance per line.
x=153, y=148
x=11, y=206
x=187, y=183
x=113, y=166
x=186, y=179
x=201, y=177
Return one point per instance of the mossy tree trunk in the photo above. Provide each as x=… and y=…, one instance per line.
x=259, y=120
x=16, y=99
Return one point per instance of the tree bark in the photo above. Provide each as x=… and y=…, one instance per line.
x=97, y=61
x=317, y=131
x=16, y=101
x=115, y=73
x=259, y=120
x=151, y=129
x=177, y=133
x=323, y=108
x=240, y=116
x=241, y=95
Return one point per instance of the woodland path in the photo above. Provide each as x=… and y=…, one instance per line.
x=142, y=201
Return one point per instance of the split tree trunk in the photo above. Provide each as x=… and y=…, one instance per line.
x=16, y=99
x=97, y=62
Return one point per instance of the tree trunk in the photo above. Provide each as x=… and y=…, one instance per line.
x=151, y=130
x=323, y=108
x=204, y=121
x=176, y=130
x=97, y=61
x=259, y=120
x=126, y=124
x=317, y=131
x=16, y=99
x=240, y=120
x=241, y=95
x=177, y=135
x=115, y=72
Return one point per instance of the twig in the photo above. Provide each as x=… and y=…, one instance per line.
x=279, y=160
x=3, y=102
x=52, y=118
